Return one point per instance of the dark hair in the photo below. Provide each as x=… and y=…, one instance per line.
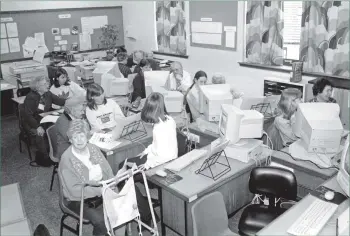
x=154, y=109
x=144, y=62
x=121, y=49
x=196, y=77
x=94, y=90
x=60, y=71
x=320, y=84
x=122, y=56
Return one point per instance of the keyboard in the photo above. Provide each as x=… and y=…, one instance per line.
x=313, y=219
x=183, y=161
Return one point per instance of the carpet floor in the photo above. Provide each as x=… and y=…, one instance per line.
x=41, y=205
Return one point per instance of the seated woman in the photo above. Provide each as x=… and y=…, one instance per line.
x=139, y=83
x=83, y=163
x=38, y=100
x=218, y=78
x=288, y=104
x=63, y=87
x=101, y=113
x=322, y=91
x=191, y=97
x=74, y=109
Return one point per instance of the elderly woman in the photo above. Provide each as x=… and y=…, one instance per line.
x=322, y=91
x=218, y=78
x=83, y=163
x=38, y=100
x=74, y=109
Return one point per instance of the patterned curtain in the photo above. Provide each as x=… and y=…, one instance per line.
x=324, y=43
x=264, y=24
x=171, y=34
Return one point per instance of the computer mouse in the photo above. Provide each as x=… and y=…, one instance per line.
x=329, y=195
x=161, y=173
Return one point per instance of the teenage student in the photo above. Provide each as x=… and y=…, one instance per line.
x=322, y=91
x=139, y=83
x=191, y=97
x=101, y=113
x=288, y=104
x=164, y=145
x=63, y=87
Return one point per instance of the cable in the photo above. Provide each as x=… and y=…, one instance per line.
x=268, y=159
x=324, y=168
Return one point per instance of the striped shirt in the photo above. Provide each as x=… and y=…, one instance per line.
x=124, y=70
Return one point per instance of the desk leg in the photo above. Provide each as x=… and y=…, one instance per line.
x=185, y=213
x=160, y=197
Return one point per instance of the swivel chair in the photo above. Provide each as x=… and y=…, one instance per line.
x=273, y=183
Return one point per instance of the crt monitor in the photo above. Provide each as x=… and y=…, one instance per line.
x=236, y=123
x=344, y=169
x=173, y=99
x=155, y=78
x=319, y=126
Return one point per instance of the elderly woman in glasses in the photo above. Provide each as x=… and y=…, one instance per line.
x=83, y=163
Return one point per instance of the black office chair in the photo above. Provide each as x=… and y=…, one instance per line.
x=273, y=183
x=24, y=135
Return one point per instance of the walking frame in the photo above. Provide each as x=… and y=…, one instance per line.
x=114, y=181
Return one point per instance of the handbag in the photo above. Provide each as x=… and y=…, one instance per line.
x=93, y=202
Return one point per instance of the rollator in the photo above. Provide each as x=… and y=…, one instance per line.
x=120, y=208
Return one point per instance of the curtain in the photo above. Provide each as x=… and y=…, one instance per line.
x=264, y=24
x=171, y=34
x=324, y=41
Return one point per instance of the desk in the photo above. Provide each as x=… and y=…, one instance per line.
x=13, y=216
x=281, y=224
x=19, y=100
x=6, y=96
x=60, y=111
x=178, y=198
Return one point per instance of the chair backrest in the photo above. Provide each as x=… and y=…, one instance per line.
x=273, y=182
x=209, y=215
x=62, y=200
x=181, y=143
x=52, y=137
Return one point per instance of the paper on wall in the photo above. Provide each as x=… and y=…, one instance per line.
x=14, y=45
x=6, y=19
x=57, y=49
x=64, y=48
x=84, y=41
x=27, y=51
x=206, y=27
x=12, y=29
x=85, y=25
x=61, y=42
x=204, y=38
x=230, y=39
x=58, y=37
x=4, y=46
x=40, y=38
x=97, y=22
x=31, y=43
x=64, y=16
x=39, y=55
x=3, y=31
x=65, y=31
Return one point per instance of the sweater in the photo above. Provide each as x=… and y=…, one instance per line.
x=105, y=116
x=73, y=90
x=284, y=127
x=73, y=174
x=164, y=145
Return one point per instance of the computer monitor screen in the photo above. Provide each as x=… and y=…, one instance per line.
x=319, y=126
x=344, y=169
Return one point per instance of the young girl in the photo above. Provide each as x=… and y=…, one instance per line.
x=63, y=87
x=101, y=113
x=191, y=97
x=164, y=144
x=288, y=104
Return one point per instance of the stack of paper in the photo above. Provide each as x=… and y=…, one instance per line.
x=103, y=141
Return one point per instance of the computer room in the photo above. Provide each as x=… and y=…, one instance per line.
x=175, y=118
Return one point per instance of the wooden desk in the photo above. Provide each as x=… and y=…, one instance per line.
x=13, y=216
x=308, y=175
x=281, y=224
x=178, y=198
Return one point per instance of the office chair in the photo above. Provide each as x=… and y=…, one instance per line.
x=67, y=212
x=210, y=216
x=24, y=135
x=274, y=183
x=52, y=137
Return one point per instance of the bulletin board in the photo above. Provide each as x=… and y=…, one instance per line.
x=209, y=12
x=37, y=21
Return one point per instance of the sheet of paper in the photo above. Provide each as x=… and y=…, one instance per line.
x=97, y=22
x=64, y=16
x=57, y=49
x=204, y=38
x=12, y=29
x=103, y=141
x=230, y=39
x=206, y=27
x=4, y=46
x=58, y=37
x=65, y=31
x=39, y=55
x=86, y=26
x=3, y=31
x=40, y=38
x=49, y=119
x=31, y=43
x=14, y=45
x=27, y=51
x=6, y=19
x=61, y=42
x=84, y=42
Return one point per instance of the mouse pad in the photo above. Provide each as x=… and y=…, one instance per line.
x=320, y=191
x=169, y=179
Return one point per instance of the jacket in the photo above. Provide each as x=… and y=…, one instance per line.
x=73, y=173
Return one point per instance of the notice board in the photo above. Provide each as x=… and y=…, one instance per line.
x=43, y=21
x=213, y=24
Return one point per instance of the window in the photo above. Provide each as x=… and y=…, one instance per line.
x=292, y=29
